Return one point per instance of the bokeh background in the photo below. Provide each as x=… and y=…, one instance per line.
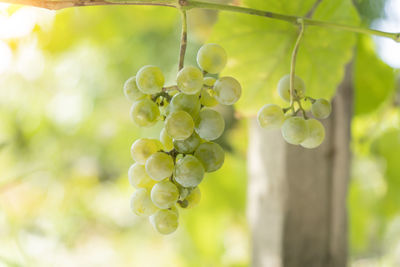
x=65, y=137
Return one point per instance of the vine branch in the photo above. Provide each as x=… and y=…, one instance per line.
x=182, y=51
x=190, y=4
x=293, y=60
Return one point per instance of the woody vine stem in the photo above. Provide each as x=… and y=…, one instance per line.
x=183, y=39
x=191, y=4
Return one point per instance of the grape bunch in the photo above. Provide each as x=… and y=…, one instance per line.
x=167, y=171
x=297, y=129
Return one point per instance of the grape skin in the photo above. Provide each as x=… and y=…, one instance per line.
x=188, y=103
x=321, y=108
x=179, y=125
x=206, y=97
x=284, y=87
x=227, y=90
x=131, y=91
x=193, y=199
x=211, y=155
x=141, y=203
x=164, y=221
x=143, y=148
x=210, y=124
x=212, y=58
x=190, y=80
x=270, y=116
x=166, y=140
x=164, y=194
x=316, y=134
x=174, y=209
x=150, y=79
x=138, y=176
x=188, y=145
x=189, y=171
x=209, y=81
x=145, y=113
x=294, y=130
x=159, y=166
x=183, y=192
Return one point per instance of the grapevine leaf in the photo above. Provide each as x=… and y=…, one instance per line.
x=260, y=48
x=374, y=81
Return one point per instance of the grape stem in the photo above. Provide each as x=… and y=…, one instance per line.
x=190, y=4
x=293, y=60
x=302, y=109
x=170, y=88
x=163, y=94
x=182, y=51
x=312, y=100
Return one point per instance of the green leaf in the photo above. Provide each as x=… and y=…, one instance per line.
x=374, y=81
x=259, y=49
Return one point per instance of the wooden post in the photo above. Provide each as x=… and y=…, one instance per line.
x=297, y=197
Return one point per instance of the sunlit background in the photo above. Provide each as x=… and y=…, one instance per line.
x=65, y=138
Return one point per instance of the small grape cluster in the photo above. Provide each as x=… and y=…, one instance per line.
x=167, y=172
x=296, y=130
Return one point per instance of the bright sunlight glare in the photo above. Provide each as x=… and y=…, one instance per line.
x=5, y=56
x=389, y=50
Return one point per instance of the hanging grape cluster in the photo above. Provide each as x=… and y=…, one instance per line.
x=168, y=170
x=296, y=127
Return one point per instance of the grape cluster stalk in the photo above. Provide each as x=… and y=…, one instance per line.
x=296, y=127
x=167, y=171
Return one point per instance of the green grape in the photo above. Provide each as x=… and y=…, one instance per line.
x=145, y=112
x=284, y=87
x=164, y=194
x=143, y=148
x=193, y=199
x=190, y=80
x=141, y=203
x=139, y=178
x=179, y=125
x=183, y=192
x=321, y=108
x=164, y=221
x=159, y=166
x=227, y=90
x=212, y=58
x=131, y=90
x=150, y=80
x=188, y=145
x=294, y=130
x=211, y=155
x=166, y=140
x=270, y=116
x=188, y=103
x=316, y=134
x=174, y=209
x=189, y=171
x=206, y=96
x=210, y=124
x=165, y=109
x=209, y=81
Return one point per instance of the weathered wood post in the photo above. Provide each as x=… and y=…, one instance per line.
x=297, y=197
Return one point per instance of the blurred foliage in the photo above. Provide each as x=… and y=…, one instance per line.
x=370, y=9
x=65, y=138
x=65, y=131
x=374, y=81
